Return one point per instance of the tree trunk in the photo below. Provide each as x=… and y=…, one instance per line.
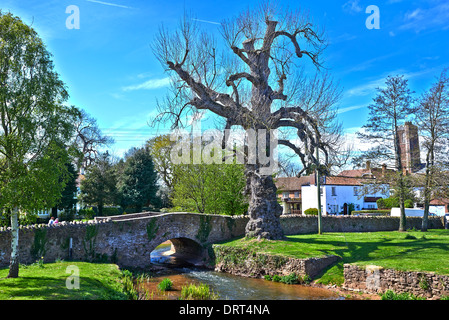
x=425, y=218
x=14, y=259
x=427, y=192
x=402, y=218
x=264, y=210
x=54, y=212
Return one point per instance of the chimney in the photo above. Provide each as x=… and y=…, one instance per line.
x=368, y=165
x=384, y=170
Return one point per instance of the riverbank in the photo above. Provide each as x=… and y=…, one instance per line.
x=424, y=252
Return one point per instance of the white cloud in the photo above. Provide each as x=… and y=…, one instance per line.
x=352, y=6
x=149, y=85
x=352, y=140
x=370, y=86
x=109, y=4
x=207, y=21
x=419, y=19
x=347, y=109
x=365, y=89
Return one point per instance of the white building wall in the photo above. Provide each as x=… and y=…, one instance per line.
x=333, y=202
x=309, y=198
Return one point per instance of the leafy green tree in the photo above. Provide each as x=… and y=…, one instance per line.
x=210, y=188
x=34, y=127
x=68, y=196
x=160, y=148
x=137, y=184
x=99, y=187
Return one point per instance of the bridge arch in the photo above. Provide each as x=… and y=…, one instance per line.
x=183, y=250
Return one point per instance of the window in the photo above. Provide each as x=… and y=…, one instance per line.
x=332, y=208
x=321, y=191
x=285, y=195
x=334, y=191
x=356, y=191
x=296, y=194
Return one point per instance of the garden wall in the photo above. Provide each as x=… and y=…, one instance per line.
x=247, y=263
x=375, y=279
x=129, y=241
x=298, y=224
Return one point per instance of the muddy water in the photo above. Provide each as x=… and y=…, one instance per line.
x=227, y=286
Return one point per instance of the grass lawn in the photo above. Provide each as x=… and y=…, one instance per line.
x=411, y=251
x=48, y=282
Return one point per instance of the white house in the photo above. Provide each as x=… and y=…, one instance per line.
x=338, y=193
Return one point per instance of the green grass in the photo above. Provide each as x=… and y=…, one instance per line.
x=165, y=285
x=411, y=251
x=197, y=292
x=48, y=282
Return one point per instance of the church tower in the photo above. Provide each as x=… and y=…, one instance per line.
x=409, y=147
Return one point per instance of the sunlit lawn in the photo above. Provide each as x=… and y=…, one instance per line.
x=412, y=251
x=48, y=282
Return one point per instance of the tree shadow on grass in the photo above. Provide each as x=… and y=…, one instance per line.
x=50, y=288
x=372, y=248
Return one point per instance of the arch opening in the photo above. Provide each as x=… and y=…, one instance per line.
x=178, y=252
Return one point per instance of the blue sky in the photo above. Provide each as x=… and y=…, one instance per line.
x=111, y=72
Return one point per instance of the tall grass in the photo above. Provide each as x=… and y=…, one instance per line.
x=197, y=292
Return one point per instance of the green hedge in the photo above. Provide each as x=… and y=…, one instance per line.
x=372, y=212
x=311, y=211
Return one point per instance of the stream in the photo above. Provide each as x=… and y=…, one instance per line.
x=227, y=286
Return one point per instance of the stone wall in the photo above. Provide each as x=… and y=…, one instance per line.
x=298, y=224
x=128, y=240
x=247, y=263
x=375, y=279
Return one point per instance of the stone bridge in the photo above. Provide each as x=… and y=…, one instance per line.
x=128, y=240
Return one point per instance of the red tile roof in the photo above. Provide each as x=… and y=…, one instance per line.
x=294, y=183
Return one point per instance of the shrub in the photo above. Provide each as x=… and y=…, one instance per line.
x=276, y=278
x=165, y=285
x=67, y=215
x=112, y=211
x=408, y=203
x=197, y=292
x=292, y=278
x=393, y=202
x=391, y=295
x=311, y=211
x=87, y=213
x=387, y=203
x=267, y=277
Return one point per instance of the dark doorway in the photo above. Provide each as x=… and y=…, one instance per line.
x=345, y=209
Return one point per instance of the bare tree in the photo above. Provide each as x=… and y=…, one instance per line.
x=433, y=118
x=89, y=139
x=387, y=112
x=254, y=83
